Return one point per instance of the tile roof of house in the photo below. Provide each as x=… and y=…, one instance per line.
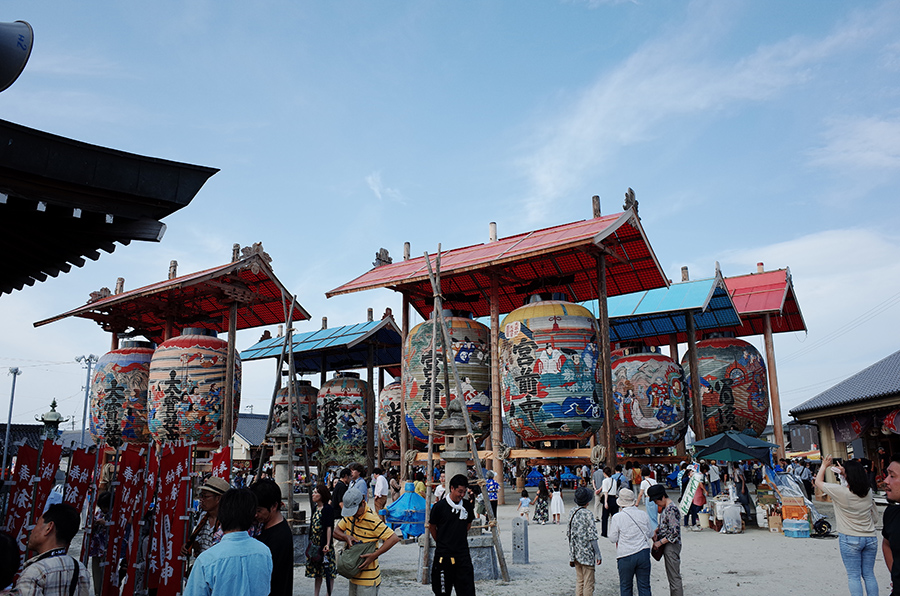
x=881, y=379
x=252, y=427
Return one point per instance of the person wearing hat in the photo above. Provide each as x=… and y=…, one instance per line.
x=449, y=523
x=668, y=536
x=584, y=552
x=209, y=531
x=361, y=524
x=629, y=530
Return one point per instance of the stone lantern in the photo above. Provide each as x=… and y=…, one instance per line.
x=51, y=421
x=456, y=447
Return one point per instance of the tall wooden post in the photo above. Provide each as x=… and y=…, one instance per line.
x=380, y=446
x=773, y=386
x=370, y=410
x=697, y=401
x=404, y=431
x=496, y=419
x=606, y=362
x=673, y=354
x=228, y=409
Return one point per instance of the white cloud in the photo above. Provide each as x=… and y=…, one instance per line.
x=381, y=191
x=664, y=79
x=860, y=144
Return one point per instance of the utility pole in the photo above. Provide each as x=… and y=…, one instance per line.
x=87, y=362
x=15, y=372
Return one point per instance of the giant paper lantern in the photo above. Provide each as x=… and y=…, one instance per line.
x=187, y=387
x=652, y=407
x=389, y=418
x=119, y=393
x=733, y=386
x=470, y=348
x=342, y=412
x=305, y=410
x=549, y=373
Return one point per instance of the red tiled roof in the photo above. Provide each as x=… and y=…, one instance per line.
x=557, y=259
x=200, y=299
x=758, y=294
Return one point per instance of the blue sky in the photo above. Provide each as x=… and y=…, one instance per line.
x=750, y=131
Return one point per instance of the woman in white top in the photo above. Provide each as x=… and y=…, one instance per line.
x=652, y=510
x=855, y=514
x=630, y=531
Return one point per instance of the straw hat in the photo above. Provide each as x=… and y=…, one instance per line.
x=215, y=485
x=625, y=498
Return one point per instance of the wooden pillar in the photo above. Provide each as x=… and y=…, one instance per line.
x=773, y=386
x=496, y=419
x=370, y=410
x=680, y=449
x=404, y=431
x=323, y=373
x=167, y=333
x=694, y=364
x=606, y=362
x=380, y=447
x=228, y=409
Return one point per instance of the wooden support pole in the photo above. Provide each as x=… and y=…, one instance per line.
x=370, y=409
x=606, y=363
x=680, y=449
x=496, y=417
x=380, y=447
x=404, y=431
x=228, y=408
x=694, y=363
x=773, y=386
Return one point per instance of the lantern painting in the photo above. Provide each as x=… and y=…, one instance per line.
x=187, y=387
x=119, y=393
x=470, y=348
x=548, y=371
x=304, y=414
x=733, y=386
x=341, y=411
x=651, y=402
x=389, y=418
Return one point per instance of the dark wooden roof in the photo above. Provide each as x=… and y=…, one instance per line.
x=63, y=201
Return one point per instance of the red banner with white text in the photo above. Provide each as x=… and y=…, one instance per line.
x=221, y=464
x=79, y=477
x=174, y=485
x=51, y=453
x=20, y=497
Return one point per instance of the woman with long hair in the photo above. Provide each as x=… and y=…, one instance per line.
x=542, y=504
x=321, y=527
x=855, y=514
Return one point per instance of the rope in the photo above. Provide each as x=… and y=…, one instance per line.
x=503, y=451
x=598, y=454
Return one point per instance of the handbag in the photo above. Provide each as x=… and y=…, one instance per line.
x=314, y=553
x=348, y=563
x=656, y=553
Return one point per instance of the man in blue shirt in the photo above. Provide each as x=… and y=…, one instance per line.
x=238, y=565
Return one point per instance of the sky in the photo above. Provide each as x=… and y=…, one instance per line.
x=758, y=131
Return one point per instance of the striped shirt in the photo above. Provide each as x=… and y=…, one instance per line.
x=52, y=576
x=368, y=528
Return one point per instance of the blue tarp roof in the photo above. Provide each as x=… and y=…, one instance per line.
x=653, y=315
x=343, y=348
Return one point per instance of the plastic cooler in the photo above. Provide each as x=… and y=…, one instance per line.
x=796, y=528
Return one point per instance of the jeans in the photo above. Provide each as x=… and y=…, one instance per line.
x=636, y=565
x=858, y=554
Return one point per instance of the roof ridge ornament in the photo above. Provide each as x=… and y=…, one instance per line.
x=630, y=201
x=255, y=249
x=99, y=295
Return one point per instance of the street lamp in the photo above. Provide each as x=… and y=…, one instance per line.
x=87, y=362
x=15, y=372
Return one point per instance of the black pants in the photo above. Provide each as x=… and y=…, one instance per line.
x=608, y=512
x=452, y=573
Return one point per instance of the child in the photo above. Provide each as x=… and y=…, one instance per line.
x=524, y=502
x=557, y=508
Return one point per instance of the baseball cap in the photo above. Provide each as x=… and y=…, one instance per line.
x=352, y=499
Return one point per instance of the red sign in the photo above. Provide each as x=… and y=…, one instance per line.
x=50, y=456
x=174, y=477
x=127, y=490
x=221, y=464
x=78, y=479
x=20, y=498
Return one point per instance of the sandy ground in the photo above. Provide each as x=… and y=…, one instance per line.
x=755, y=562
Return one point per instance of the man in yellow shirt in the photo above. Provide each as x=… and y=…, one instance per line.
x=360, y=524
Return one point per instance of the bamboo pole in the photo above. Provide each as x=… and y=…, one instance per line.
x=473, y=447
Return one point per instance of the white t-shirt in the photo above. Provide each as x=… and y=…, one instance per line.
x=714, y=473
x=646, y=483
x=381, y=486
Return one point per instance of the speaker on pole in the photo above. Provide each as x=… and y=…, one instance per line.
x=15, y=48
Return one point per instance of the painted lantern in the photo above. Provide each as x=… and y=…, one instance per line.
x=652, y=407
x=470, y=347
x=733, y=386
x=342, y=412
x=119, y=393
x=304, y=414
x=187, y=387
x=389, y=419
x=549, y=373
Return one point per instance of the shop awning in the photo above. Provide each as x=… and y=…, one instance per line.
x=557, y=259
